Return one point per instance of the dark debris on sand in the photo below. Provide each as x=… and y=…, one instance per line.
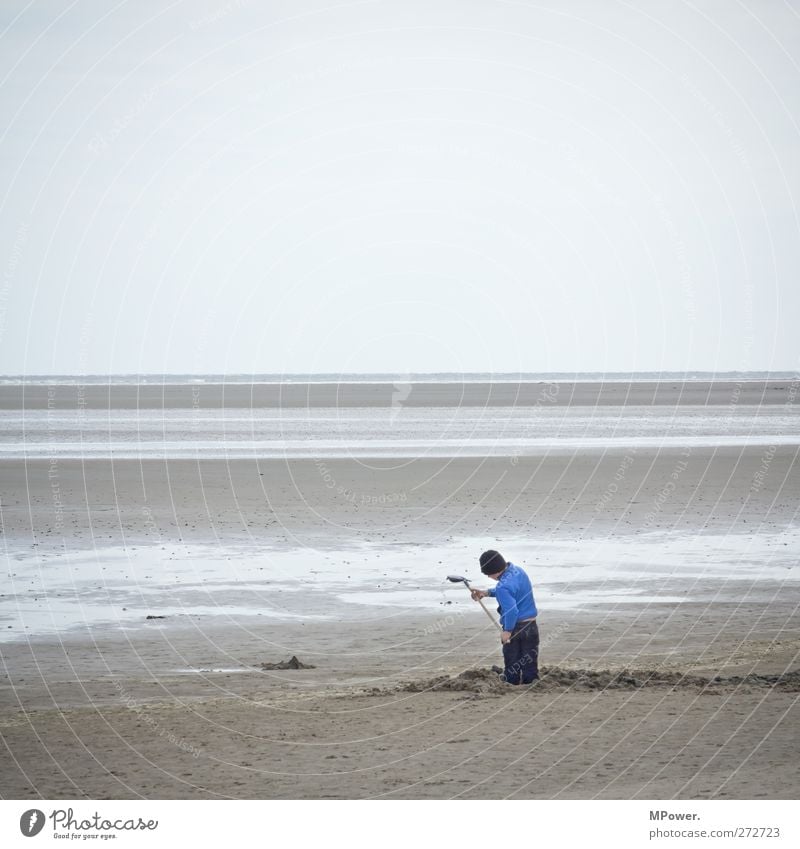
x=292, y=663
x=487, y=683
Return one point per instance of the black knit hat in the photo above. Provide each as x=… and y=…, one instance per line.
x=492, y=562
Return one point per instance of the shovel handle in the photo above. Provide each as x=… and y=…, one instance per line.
x=485, y=608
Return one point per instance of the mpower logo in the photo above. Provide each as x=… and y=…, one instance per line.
x=65, y=823
x=31, y=822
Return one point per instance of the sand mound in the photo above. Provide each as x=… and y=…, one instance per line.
x=483, y=682
x=292, y=663
x=488, y=683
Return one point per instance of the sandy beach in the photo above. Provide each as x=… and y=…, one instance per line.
x=668, y=594
x=309, y=309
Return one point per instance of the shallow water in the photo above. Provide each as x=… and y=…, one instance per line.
x=114, y=588
x=398, y=431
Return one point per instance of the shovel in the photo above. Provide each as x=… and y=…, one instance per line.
x=457, y=579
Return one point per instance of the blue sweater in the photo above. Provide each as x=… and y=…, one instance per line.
x=515, y=595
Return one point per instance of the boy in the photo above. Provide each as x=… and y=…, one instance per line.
x=518, y=614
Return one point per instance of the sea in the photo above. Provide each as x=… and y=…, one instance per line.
x=395, y=430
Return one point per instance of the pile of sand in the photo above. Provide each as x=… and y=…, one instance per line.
x=488, y=683
x=292, y=663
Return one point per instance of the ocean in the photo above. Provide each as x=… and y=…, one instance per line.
x=384, y=432
x=388, y=416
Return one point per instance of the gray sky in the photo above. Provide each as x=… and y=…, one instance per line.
x=416, y=185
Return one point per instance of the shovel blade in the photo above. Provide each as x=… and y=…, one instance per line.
x=457, y=579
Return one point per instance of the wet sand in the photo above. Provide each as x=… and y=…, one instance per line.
x=182, y=709
x=399, y=501
x=510, y=393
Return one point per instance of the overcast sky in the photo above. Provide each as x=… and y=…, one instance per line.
x=413, y=185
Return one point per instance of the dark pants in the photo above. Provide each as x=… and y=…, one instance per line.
x=521, y=654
